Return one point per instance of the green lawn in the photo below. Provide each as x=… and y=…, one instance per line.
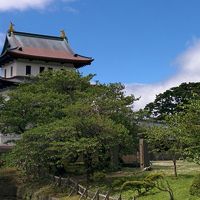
x=113, y=182
x=180, y=185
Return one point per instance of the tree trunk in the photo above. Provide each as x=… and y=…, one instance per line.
x=171, y=194
x=165, y=187
x=115, y=157
x=88, y=165
x=175, y=167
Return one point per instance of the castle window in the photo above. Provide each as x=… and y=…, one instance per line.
x=28, y=70
x=50, y=68
x=11, y=71
x=42, y=69
x=5, y=73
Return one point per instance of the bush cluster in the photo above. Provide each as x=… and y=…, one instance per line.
x=195, y=187
x=99, y=176
x=142, y=186
x=136, y=185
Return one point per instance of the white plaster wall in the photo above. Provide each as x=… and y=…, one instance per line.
x=19, y=67
x=35, y=67
x=8, y=69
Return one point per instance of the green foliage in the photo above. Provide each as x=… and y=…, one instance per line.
x=121, y=180
x=148, y=183
x=195, y=187
x=184, y=129
x=62, y=117
x=153, y=177
x=179, y=135
x=165, y=139
x=164, y=186
x=134, y=185
x=172, y=100
x=180, y=185
x=170, y=137
x=41, y=101
x=98, y=176
x=151, y=180
x=190, y=124
x=179, y=110
x=117, y=182
x=52, y=145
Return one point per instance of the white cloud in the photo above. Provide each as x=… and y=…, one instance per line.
x=71, y=10
x=188, y=64
x=22, y=4
x=27, y=4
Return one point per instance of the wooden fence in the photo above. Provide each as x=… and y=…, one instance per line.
x=76, y=188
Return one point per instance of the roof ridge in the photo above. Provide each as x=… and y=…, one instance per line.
x=76, y=54
x=37, y=35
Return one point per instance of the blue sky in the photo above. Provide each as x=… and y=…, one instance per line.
x=145, y=44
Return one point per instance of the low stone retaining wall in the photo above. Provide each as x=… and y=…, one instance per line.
x=34, y=195
x=8, y=188
x=12, y=188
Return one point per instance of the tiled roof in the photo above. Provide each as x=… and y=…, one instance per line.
x=42, y=47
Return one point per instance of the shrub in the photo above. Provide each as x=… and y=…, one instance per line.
x=117, y=183
x=150, y=180
x=146, y=184
x=120, y=180
x=99, y=176
x=195, y=187
x=134, y=185
x=153, y=177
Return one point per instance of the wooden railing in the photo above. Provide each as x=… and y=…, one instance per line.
x=84, y=192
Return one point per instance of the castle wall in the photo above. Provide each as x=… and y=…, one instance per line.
x=19, y=67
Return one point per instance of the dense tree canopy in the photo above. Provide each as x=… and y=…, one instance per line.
x=189, y=123
x=61, y=117
x=179, y=135
x=41, y=101
x=171, y=138
x=172, y=100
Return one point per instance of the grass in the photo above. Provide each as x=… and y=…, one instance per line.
x=180, y=185
x=113, y=181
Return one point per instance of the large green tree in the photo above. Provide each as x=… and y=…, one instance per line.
x=41, y=101
x=179, y=110
x=172, y=100
x=179, y=135
x=82, y=133
x=189, y=123
x=170, y=137
x=62, y=116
